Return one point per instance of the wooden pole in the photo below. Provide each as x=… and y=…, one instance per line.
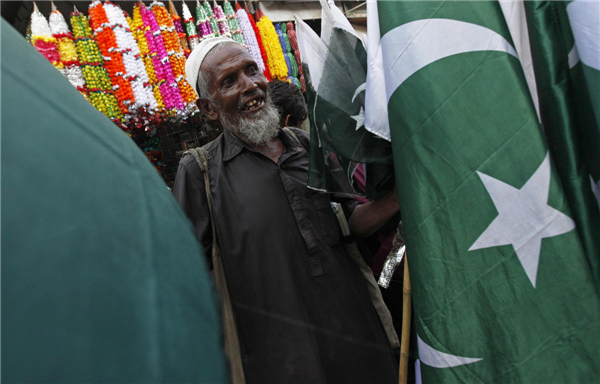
x=406, y=316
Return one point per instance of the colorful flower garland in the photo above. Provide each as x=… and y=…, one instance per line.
x=42, y=39
x=67, y=51
x=214, y=27
x=283, y=48
x=250, y=37
x=204, y=27
x=162, y=65
x=180, y=34
x=138, y=28
x=263, y=52
x=132, y=60
x=190, y=28
x=97, y=80
x=176, y=57
x=291, y=32
x=107, y=42
x=221, y=21
x=270, y=39
x=233, y=23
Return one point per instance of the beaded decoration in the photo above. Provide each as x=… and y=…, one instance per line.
x=221, y=21
x=42, y=39
x=233, y=23
x=205, y=28
x=214, y=27
x=250, y=37
x=263, y=52
x=97, y=80
x=291, y=32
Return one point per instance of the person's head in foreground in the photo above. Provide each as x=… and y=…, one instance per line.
x=232, y=89
x=289, y=101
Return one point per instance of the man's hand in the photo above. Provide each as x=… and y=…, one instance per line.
x=369, y=217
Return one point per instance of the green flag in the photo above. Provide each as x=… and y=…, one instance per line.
x=501, y=285
x=335, y=67
x=567, y=117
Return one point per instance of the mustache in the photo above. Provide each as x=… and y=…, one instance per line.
x=246, y=98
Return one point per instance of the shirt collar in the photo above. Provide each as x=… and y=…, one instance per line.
x=234, y=146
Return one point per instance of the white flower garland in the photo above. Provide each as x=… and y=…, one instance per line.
x=136, y=71
x=250, y=37
x=73, y=73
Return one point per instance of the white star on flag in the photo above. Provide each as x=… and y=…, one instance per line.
x=524, y=219
x=360, y=118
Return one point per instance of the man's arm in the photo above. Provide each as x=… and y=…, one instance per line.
x=369, y=217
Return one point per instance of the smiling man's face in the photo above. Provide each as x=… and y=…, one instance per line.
x=239, y=94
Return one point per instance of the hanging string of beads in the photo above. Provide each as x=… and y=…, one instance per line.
x=249, y=37
x=221, y=20
x=214, y=27
x=162, y=65
x=233, y=23
x=283, y=49
x=288, y=53
x=175, y=55
x=270, y=39
x=138, y=28
x=42, y=39
x=99, y=86
x=179, y=29
x=190, y=27
x=67, y=51
x=113, y=59
x=291, y=32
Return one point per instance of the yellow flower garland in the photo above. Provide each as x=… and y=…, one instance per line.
x=270, y=41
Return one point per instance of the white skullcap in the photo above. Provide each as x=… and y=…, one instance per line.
x=193, y=63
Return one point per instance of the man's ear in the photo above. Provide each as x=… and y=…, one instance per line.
x=207, y=108
x=287, y=120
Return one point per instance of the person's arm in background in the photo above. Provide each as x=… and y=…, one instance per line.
x=369, y=217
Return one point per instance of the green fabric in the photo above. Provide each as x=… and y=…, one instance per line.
x=102, y=278
x=567, y=117
x=340, y=141
x=462, y=126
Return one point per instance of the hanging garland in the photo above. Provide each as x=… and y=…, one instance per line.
x=294, y=45
x=162, y=66
x=113, y=59
x=288, y=53
x=221, y=21
x=250, y=37
x=233, y=23
x=270, y=39
x=176, y=56
x=204, y=26
x=214, y=27
x=179, y=29
x=98, y=83
x=135, y=71
x=190, y=28
x=263, y=52
x=67, y=51
x=138, y=29
x=42, y=39
x=283, y=49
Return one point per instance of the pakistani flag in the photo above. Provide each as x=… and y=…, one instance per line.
x=502, y=288
x=567, y=111
x=335, y=67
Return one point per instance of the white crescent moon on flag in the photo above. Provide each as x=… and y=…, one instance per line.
x=412, y=46
x=437, y=359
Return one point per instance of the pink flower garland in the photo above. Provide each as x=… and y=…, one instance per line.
x=162, y=66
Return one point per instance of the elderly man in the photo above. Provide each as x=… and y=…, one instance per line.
x=302, y=307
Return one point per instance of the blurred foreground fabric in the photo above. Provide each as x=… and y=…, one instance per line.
x=102, y=278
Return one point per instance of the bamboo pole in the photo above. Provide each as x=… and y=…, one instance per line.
x=406, y=316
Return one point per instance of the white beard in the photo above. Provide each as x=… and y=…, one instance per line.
x=258, y=130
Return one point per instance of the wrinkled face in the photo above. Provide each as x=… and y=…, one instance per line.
x=237, y=86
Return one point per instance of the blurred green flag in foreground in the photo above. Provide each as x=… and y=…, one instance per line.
x=103, y=280
x=503, y=291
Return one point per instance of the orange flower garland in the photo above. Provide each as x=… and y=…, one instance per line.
x=137, y=27
x=174, y=51
x=179, y=29
x=113, y=60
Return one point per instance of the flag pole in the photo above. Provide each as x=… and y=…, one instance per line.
x=406, y=315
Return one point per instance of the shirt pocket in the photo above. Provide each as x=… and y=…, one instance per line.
x=328, y=225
